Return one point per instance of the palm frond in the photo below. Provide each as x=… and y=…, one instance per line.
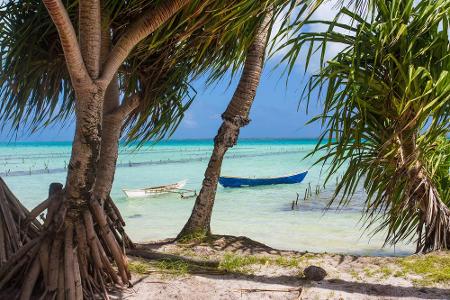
x=206, y=37
x=386, y=114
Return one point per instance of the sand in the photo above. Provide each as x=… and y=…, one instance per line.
x=280, y=277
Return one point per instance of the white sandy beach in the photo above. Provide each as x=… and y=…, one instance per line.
x=280, y=277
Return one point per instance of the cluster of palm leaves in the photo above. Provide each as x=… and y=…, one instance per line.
x=35, y=87
x=386, y=114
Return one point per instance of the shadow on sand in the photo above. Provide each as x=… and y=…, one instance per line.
x=209, y=270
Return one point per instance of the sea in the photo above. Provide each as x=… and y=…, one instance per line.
x=266, y=214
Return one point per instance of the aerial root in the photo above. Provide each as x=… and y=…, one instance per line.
x=76, y=255
x=13, y=218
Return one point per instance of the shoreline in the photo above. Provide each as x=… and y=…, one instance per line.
x=229, y=267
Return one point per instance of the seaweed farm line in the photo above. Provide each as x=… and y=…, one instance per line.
x=121, y=164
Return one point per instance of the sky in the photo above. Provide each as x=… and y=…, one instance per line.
x=277, y=111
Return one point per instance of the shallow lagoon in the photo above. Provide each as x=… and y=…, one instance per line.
x=262, y=213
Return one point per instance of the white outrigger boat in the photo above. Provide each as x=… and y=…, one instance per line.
x=157, y=190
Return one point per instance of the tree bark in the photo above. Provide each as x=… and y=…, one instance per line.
x=434, y=228
x=72, y=53
x=137, y=31
x=235, y=116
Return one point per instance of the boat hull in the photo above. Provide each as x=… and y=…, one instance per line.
x=154, y=191
x=235, y=182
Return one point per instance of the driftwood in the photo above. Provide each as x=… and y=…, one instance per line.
x=297, y=290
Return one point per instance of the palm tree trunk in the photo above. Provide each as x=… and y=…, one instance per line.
x=235, y=117
x=111, y=131
x=434, y=227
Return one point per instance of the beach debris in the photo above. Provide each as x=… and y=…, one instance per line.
x=308, y=192
x=186, y=194
x=315, y=273
x=296, y=290
x=295, y=202
x=317, y=189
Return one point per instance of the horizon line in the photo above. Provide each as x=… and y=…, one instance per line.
x=164, y=140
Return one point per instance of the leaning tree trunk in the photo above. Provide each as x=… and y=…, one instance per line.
x=112, y=122
x=111, y=131
x=235, y=117
x=434, y=227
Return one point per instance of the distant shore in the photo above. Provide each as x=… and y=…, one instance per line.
x=228, y=267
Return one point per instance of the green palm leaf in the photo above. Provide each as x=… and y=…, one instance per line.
x=386, y=114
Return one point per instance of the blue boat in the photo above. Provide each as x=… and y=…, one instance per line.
x=235, y=182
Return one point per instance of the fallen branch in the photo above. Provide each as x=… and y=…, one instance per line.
x=298, y=290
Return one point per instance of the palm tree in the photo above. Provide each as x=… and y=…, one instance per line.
x=386, y=114
x=237, y=113
x=77, y=233
x=120, y=47
x=235, y=116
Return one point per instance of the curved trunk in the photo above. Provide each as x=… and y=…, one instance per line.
x=235, y=117
x=434, y=227
x=111, y=131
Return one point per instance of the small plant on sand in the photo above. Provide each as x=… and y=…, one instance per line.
x=385, y=272
x=401, y=274
x=355, y=274
x=174, y=267
x=139, y=267
x=433, y=268
x=368, y=272
x=287, y=262
x=240, y=263
x=195, y=237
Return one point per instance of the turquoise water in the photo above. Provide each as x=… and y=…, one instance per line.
x=262, y=213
